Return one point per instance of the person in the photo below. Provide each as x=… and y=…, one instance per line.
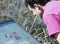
x=49, y=11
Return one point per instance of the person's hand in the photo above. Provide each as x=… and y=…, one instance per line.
x=39, y=9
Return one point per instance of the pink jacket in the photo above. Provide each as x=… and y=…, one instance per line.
x=51, y=17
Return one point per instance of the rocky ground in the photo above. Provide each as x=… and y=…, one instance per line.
x=16, y=10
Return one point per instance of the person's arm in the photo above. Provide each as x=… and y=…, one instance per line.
x=53, y=26
x=57, y=37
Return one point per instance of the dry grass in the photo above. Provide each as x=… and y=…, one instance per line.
x=15, y=9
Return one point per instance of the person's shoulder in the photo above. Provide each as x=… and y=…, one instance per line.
x=53, y=3
x=52, y=7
